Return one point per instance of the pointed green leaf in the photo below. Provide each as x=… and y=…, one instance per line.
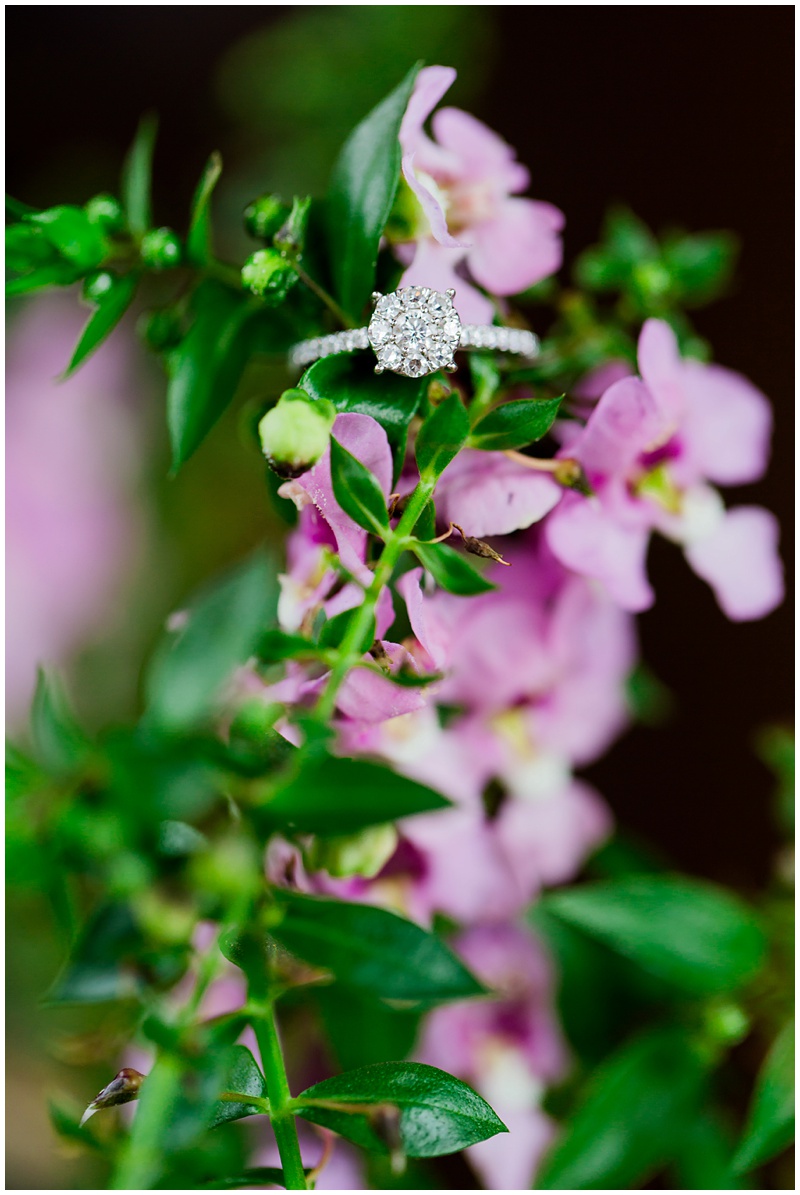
x=276, y=645
x=515, y=424
x=104, y=320
x=137, y=176
x=18, y=209
x=332, y=795
x=703, y=1160
x=222, y=628
x=633, y=1118
x=357, y=490
x=435, y=1113
x=770, y=1121
x=58, y=739
x=198, y=239
x=244, y=1077
x=360, y=197
x=687, y=932
x=372, y=949
x=441, y=436
x=450, y=570
x=205, y=369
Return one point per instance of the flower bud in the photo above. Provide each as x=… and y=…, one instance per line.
x=296, y=432
x=268, y=274
x=123, y=1088
x=106, y=212
x=161, y=249
x=98, y=285
x=161, y=330
x=265, y=216
x=362, y=854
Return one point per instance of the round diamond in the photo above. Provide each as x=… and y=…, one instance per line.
x=414, y=331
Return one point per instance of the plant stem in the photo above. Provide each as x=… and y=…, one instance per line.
x=395, y=545
x=280, y=1097
x=329, y=301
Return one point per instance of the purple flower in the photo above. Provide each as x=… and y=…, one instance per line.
x=508, y=1048
x=467, y=182
x=649, y=449
x=74, y=528
x=486, y=493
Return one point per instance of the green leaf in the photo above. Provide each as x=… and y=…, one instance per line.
x=276, y=645
x=255, y=1176
x=372, y=950
x=137, y=176
x=686, y=932
x=770, y=1120
x=362, y=1030
x=438, y=1114
x=198, y=238
x=349, y=381
x=451, y=571
x=70, y=231
x=53, y=274
x=441, y=436
x=334, y=630
x=60, y=744
x=18, y=209
x=223, y=627
x=243, y=1077
x=98, y=967
x=357, y=490
x=703, y=1160
x=360, y=197
x=515, y=424
x=205, y=369
x=701, y=265
x=104, y=320
x=634, y=1117
x=66, y=1123
x=332, y=795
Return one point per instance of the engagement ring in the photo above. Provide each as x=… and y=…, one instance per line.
x=415, y=331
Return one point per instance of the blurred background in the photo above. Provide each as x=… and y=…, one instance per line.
x=681, y=113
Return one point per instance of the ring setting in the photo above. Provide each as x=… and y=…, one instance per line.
x=415, y=331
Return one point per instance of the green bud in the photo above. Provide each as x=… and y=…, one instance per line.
x=161, y=249
x=362, y=854
x=98, y=285
x=160, y=330
x=296, y=432
x=268, y=274
x=265, y=216
x=106, y=212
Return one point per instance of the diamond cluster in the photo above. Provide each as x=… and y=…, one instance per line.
x=414, y=331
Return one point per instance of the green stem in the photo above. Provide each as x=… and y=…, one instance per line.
x=280, y=1097
x=329, y=301
x=395, y=546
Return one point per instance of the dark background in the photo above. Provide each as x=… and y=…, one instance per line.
x=685, y=113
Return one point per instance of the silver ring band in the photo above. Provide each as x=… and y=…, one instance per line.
x=414, y=332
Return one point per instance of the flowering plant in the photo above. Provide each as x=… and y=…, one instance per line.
x=352, y=786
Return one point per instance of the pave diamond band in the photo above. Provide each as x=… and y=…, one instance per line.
x=414, y=331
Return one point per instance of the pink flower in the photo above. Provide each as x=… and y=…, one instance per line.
x=466, y=183
x=74, y=526
x=508, y=1048
x=486, y=493
x=649, y=449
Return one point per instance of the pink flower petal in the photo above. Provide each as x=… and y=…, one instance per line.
x=488, y=494
x=661, y=367
x=367, y=697
x=518, y=248
x=625, y=421
x=740, y=562
x=435, y=266
x=366, y=440
x=431, y=206
x=508, y=1162
x=481, y=153
x=727, y=424
x=588, y=541
x=427, y=625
